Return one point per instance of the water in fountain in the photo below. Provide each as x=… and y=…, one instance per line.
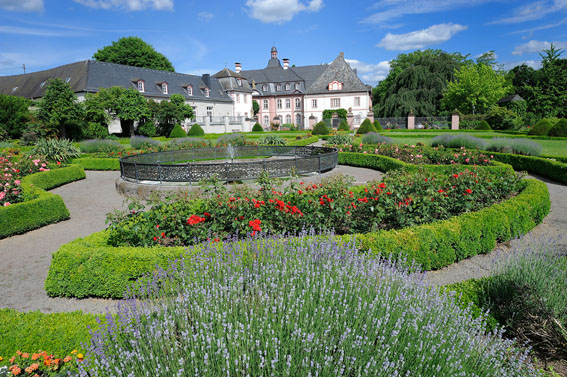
x=231, y=151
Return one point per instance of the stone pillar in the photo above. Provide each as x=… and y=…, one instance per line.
x=244, y=122
x=350, y=118
x=411, y=121
x=311, y=121
x=370, y=114
x=455, y=121
x=207, y=125
x=226, y=124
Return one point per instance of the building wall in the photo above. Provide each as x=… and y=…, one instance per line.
x=347, y=101
x=242, y=104
x=273, y=110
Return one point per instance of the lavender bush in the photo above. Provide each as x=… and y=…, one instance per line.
x=458, y=141
x=517, y=146
x=302, y=306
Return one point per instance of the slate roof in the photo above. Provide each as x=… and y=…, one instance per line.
x=512, y=98
x=90, y=75
x=229, y=81
x=341, y=71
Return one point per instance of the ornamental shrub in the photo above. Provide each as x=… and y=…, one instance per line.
x=353, y=316
x=482, y=125
x=366, y=127
x=320, y=129
x=273, y=140
x=142, y=142
x=93, y=130
x=56, y=150
x=517, y=146
x=100, y=146
x=343, y=126
x=377, y=125
x=375, y=138
x=500, y=118
x=188, y=143
x=340, y=139
x=147, y=129
x=196, y=130
x=257, y=128
x=559, y=129
x=458, y=141
x=541, y=128
x=177, y=131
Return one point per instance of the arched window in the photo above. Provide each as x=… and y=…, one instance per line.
x=189, y=90
x=287, y=86
x=164, y=87
x=278, y=88
x=335, y=85
x=297, y=119
x=264, y=88
x=288, y=118
x=297, y=85
x=141, y=86
x=207, y=92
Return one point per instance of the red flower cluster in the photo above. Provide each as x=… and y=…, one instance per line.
x=255, y=225
x=194, y=219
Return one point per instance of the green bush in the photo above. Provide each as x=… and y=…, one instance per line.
x=375, y=138
x=482, y=125
x=257, y=128
x=541, y=128
x=142, y=142
x=548, y=168
x=517, y=146
x=100, y=146
x=147, y=129
x=188, y=143
x=196, y=130
x=458, y=141
x=559, y=129
x=343, y=126
x=273, y=140
x=340, y=139
x=500, y=118
x=177, y=132
x=470, y=292
x=232, y=139
x=377, y=125
x=56, y=333
x=93, y=130
x=92, y=163
x=320, y=129
x=40, y=207
x=56, y=150
x=366, y=127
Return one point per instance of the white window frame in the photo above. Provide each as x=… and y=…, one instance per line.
x=298, y=119
x=356, y=101
x=279, y=88
x=288, y=103
x=279, y=104
x=266, y=120
x=239, y=82
x=237, y=97
x=297, y=86
x=288, y=118
x=264, y=88
x=314, y=103
x=266, y=105
x=141, y=86
x=207, y=92
x=287, y=86
x=189, y=90
x=298, y=103
x=164, y=88
x=335, y=102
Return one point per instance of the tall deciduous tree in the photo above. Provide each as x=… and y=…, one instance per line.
x=14, y=114
x=172, y=112
x=131, y=107
x=135, y=52
x=476, y=88
x=59, y=107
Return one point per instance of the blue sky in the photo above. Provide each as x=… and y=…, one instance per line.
x=205, y=36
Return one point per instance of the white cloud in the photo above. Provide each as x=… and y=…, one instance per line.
x=534, y=11
x=39, y=32
x=280, y=11
x=538, y=28
x=530, y=63
x=534, y=46
x=205, y=16
x=392, y=9
x=370, y=73
x=22, y=5
x=130, y=5
x=421, y=38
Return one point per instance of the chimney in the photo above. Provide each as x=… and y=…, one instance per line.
x=237, y=67
x=342, y=54
x=285, y=63
x=207, y=80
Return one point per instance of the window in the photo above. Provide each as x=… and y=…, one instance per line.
x=314, y=103
x=266, y=120
x=245, y=98
x=279, y=103
x=298, y=103
x=357, y=119
x=288, y=103
x=140, y=86
x=189, y=90
x=297, y=119
x=288, y=118
x=335, y=102
x=14, y=89
x=287, y=86
x=335, y=85
x=42, y=84
x=210, y=112
x=207, y=92
x=68, y=79
x=237, y=98
x=265, y=104
x=279, y=88
x=239, y=82
x=164, y=88
x=297, y=85
x=264, y=88
x=356, y=101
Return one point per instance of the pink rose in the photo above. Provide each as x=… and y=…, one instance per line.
x=17, y=181
x=6, y=204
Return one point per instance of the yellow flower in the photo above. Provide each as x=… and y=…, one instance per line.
x=80, y=356
x=74, y=351
x=1, y=358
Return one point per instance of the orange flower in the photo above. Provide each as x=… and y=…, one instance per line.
x=16, y=371
x=67, y=359
x=56, y=361
x=34, y=366
x=35, y=356
x=12, y=359
x=18, y=353
x=47, y=362
x=25, y=355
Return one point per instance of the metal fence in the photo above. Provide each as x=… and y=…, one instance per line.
x=183, y=165
x=393, y=123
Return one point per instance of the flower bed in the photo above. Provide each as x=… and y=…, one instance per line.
x=13, y=169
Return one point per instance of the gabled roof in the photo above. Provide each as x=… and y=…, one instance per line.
x=229, y=80
x=338, y=70
x=225, y=72
x=512, y=98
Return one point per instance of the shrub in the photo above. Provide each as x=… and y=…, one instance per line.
x=366, y=127
x=353, y=315
x=374, y=138
x=343, y=126
x=273, y=140
x=458, y=141
x=257, y=128
x=188, y=143
x=232, y=139
x=541, y=128
x=142, y=142
x=93, y=130
x=196, y=130
x=340, y=139
x=56, y=150
x=320, y=129
x=482, y=125
x=147, y=129
x=100, y=146
x=500, y=118
x=559, y=129
x=177, y=131
x=518, y=146
x=377, y=125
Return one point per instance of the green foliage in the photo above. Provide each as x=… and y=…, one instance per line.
x=541, y=128
x=196, y=130
x=559, y=129
x=517, y=146
x=257, y=128
x=42, y=207
x=375, y=138
x=340, y=139
x=343, y=126
x=232, y=139
x=177, y=132
x=56, y=333
x=56, y=150
x=273, y=140
x=131, y=107
x=169, y=113
x=146, y=128
x=377, y=125
x=304, y=142
x=135, y=52
x=188, y=143
x=483, y=125
x=546, y=167
x=458, y=141
x=142, y=142
x=320, y=129
x=91, y=163
x=59, y=108
x=14, y=115
x=93, y=130
x=100, y=146
x=341, y=113
x=501, y=118
x=255, y=107
x=365, y=127
x=476, y=87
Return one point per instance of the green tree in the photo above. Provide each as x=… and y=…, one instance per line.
x=14, y=114
x=550, y=99
x=169, y=113
x=59, y=108
x=135, y=52
x=255, y=107
x=131, y=107
x=476, y=88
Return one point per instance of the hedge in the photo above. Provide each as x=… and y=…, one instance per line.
x=88, y=267
x=55, y=333
x=555, y=170
x=304, y=142
x=91, y=163
x=40, y=207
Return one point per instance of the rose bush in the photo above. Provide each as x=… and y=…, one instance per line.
x=13, y=169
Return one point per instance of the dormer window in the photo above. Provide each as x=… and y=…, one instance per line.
x=189, y=90
x=141, y=86
x=265, y=88
x=278, y=88
x=164, y=87
x=239, y=82
x=207, y=92
x=297, y=85
x=14, y=89
x=335, y=85
x=287, y=86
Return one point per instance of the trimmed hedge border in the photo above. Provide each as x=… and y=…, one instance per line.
x=41, y=207
x=410, y=135
x=88, y=267
x=555, y=170
x=92, y=163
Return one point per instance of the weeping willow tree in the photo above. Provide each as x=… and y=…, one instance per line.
x=418, y=86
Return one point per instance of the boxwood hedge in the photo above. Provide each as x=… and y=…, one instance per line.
x=556, y=170
x=88, y=267
x=39, y=207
